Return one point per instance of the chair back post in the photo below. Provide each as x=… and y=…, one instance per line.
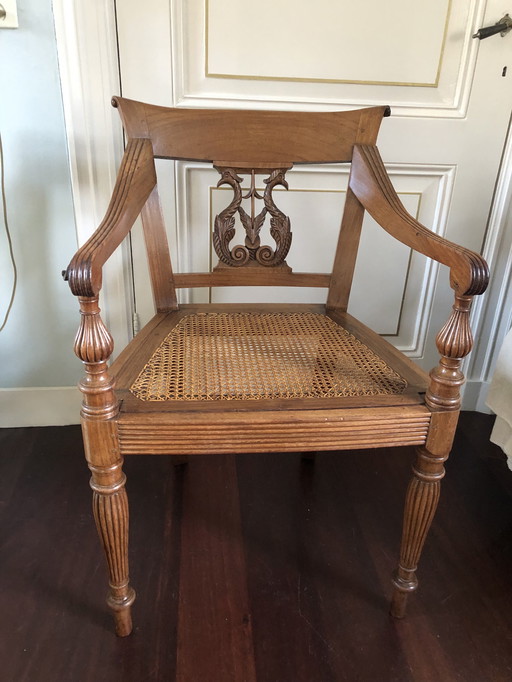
x=159, y=257
x=352, y=220
x=155, y=236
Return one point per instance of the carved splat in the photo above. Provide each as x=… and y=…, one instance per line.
x=252, y=250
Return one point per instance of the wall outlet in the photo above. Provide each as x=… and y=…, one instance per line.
x=10, y=19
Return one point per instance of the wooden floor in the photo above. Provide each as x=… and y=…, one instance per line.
x=259, y=567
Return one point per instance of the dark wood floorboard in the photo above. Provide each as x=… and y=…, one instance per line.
x=255, y=568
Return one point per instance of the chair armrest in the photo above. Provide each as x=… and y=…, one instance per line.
x=135, y=181
x=370, y=183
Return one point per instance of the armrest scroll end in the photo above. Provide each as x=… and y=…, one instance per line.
x=83, y=279
x=473, y=278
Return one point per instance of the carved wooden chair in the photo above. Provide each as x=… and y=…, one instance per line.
x=203, y=379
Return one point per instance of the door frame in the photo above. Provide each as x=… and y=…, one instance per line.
x=89, y=69
x=86, y=38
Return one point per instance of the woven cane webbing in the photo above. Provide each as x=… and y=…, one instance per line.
x=244, y=356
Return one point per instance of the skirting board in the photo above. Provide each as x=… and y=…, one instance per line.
x=53, y=406
x=60, y=406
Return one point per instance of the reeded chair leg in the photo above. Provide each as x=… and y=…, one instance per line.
x=454, y=342
x=420, y=506
x=94, y=345
x=110, y=508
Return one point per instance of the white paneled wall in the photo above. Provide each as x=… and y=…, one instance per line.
x=327, y=53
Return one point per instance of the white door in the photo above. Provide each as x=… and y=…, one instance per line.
x=450, y=97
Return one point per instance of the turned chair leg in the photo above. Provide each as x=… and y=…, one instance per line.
x=420, y=506
x=454, y=342
x=94, y=345
x=110, y=508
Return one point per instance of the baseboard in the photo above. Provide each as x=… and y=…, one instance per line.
x=475, y=395
x=53, y=406
x=60, y=405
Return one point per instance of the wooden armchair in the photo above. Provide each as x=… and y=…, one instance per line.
x=204, y=379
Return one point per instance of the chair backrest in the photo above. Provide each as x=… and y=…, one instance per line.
x=238, y=143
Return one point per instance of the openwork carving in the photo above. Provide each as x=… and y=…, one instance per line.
x=224, y=227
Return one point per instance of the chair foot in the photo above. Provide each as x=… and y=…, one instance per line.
x=398, y=604
x=122, y=611
x=403, y=587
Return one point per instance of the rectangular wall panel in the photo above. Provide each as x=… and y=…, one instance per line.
x=327, y=41
x=417, y=56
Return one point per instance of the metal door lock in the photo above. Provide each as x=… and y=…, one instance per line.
x=502, y=27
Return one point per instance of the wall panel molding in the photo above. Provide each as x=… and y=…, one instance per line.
x=425, y=189
x=197, y=85
x=341, y=33
x=493, y=311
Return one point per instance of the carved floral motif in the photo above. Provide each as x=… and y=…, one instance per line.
x=224, y=226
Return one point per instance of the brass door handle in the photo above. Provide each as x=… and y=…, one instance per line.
x=3, y=13
x=502, y=27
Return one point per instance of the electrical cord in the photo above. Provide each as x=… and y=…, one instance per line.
x=9, y=239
